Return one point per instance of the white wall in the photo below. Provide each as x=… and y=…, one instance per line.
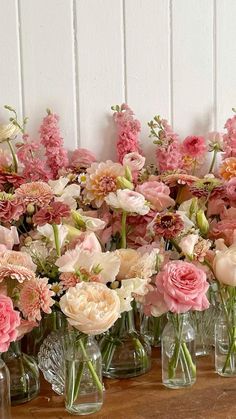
x=78, y=57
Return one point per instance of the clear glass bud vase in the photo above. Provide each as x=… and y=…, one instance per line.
x=83, y=374
x=152, y=327
x=24, y=374
x=178, y=352
x=5, y=400
x=125, y=352
x=225, y=342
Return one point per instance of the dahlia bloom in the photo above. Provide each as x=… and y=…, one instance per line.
x=102, y=180
x=35, y=295
x=36, y=193
x=51, y=214
x=9, y=321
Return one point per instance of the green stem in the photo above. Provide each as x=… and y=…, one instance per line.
x=56, y=239
x=177, y=247
x=123, y=230
x=90, y=366
x=213, y=161
x=14, y=158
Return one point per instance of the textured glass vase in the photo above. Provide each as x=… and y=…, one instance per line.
x=83, y=374
x=178, y=352
x=152, y=327
x=225, y=343
x=125, y=352
x=24, y=374
x=204, y=324
x=5, y=400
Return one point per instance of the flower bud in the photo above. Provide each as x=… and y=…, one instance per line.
x=128, y=174
x=124, y=183
x=202, y=222
x=77, y=218
x=30, y=209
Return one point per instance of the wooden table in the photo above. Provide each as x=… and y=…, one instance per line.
x=212, y=397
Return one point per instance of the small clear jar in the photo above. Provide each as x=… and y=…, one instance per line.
x=178, y=352
x=83, y=374
x=225, y=343
x=5, y=399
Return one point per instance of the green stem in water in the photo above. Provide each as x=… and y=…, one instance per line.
x=213, y=161
x=123, y=230
x=56, y=239
x=90, y=367
x=14, y=158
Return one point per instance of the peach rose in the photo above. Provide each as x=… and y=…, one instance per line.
x=157, y=193
x=91, y=307
x=224, y=266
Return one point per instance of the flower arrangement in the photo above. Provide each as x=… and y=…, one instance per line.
x=136, y=233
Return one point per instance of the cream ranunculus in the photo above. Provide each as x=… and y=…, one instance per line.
x=129, y=201
x=8, y=131
x=224, y=266
x=91, y=307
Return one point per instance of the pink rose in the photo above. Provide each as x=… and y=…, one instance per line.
x=194, y=146
x=157, y=193
x=82, y=158
x=182, y=287
x=9, y=321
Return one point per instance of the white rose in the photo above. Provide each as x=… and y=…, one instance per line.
x=134, y=161
x=127, y=200
x=91, y=307
x=224, y=266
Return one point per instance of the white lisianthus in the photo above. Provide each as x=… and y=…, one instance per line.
x=129, y=289
x=187, y=244
x=64, y=193
x=134, y=161
x=8, y=131
x=127, y=200
x=188, y=224
x=91, y=307
x=47, y=231
x=224, y=266
x=90, y=223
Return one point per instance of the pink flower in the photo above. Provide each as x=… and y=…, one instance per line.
x=231, y=189
x=170, y=157
x=37, y=193
x=167, y=225
x=82, y=158
x=15, y=272
x=5, y=159
x=51, y=214
x=134, y=161
x=35, y=296
x=11, y=207
x=8, y=237
x=9, y=321
x=10, y=180
x=194, y=146
x=153, y=304
x=25, y=327
x=183, y=287
x=224, y=229
x=127, y=200
x=157, y=193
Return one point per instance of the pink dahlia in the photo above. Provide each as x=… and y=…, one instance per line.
x=182, y=287
x=35, y=296
x=11, y=207
x=9, y=321
x=194, y=146
x=51, y=214
x=36, y=193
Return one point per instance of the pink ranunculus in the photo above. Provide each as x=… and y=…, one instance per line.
x=194, y=146
x=183, y=287
x=157, y=193
x=134, y=160
x=9, y=321
x=127, y=200
x=82, y=157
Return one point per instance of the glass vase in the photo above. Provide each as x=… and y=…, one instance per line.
x=125, y=352
x=5, y=400
x=178, y=352
x=24, y=374
x=204, y=325
x=152, y=327
x=225, y=342
x=83, y=374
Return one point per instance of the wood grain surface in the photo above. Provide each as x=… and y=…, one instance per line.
x=212, y=397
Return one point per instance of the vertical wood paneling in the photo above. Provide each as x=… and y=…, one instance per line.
x=148, y=61
x=48, y=63
x=225, y=60
x=100, y=71
x=193, y=81
x=10, y=77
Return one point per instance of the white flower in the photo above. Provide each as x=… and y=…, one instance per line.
x=127, y=200
x=187, y=244
x=47, y=231
x=8, y=131
x=57, y=288
x=91, y=307
x=129, y=289
x=64, y=193
x=134, y=161
x=90, y=223
x=188, y=224
x=224, y=265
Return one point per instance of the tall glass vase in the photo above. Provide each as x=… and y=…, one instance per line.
x=225, y=342
x=178, y=352
x=5, y=400
x=83, y=374
x=125, y=352
x=24, y=374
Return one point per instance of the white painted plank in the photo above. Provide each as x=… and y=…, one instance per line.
x=193, y=75
x=148, y=64
x=225, y=60
x=10, y=80
x=100, y=72
x=48, y=63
